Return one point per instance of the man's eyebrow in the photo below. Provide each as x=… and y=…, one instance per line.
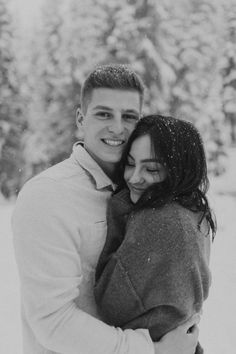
x=131, y=111
x=105, y=108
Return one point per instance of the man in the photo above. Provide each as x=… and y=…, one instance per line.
x=59, y=227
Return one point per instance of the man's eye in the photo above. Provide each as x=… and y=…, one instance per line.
x=131, y=117
x=104, y=115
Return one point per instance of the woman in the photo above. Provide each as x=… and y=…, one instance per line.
x=154, y=269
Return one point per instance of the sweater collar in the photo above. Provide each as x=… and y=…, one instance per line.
x=81, y=156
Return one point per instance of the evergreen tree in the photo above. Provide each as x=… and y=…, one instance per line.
x=197, y=92
x=11, y=120
x=229, y=69
x=51, y=129
x=57, y=127
x=182, y=70
x=134, y=36
x=67, y=49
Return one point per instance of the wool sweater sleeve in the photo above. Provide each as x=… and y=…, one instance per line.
x=159, y=276
x=51, y=272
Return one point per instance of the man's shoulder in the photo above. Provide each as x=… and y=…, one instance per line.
x=62, y=170
x=61, y=173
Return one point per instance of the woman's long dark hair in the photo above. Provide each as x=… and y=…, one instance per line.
x=177, y=145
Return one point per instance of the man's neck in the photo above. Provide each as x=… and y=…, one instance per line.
x=107, y=167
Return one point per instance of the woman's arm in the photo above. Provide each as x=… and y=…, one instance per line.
x=118, y=211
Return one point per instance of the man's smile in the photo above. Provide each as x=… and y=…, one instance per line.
x=113, y=142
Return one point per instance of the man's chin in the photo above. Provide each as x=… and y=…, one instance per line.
x=113, y=157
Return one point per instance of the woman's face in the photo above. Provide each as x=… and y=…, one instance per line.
x=142, y=168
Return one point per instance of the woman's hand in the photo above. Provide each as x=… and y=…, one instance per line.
x=182, y=340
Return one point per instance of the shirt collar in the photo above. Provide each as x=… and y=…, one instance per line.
x=90, y=165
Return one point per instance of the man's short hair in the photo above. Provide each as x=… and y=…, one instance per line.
x=113, y=76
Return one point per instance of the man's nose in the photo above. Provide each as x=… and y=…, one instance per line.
x=117, y=126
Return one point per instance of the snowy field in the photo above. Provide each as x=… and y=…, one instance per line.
x=218, y=325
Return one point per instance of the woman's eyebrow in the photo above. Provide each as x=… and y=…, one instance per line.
x=145, y=160
x=150, y=160
x=129, y=155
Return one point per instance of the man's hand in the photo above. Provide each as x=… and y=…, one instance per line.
x=182, y=340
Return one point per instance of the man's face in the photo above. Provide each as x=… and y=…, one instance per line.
x=110, y=119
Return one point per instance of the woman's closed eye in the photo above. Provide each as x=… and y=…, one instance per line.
x=153, y=167
x=130, y=162
x=153, y=170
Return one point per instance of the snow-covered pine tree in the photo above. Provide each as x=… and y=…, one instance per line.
x=229, y=68
x=66, y=48
x=133, y=36
x=192, y=47
x=11, y=120
x=51, y=129
x=57, y=128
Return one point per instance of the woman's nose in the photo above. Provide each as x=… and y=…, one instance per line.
x=136, y=177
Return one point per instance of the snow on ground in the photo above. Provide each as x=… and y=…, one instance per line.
x=10, y=330
x=218, y=325
x=219, y=317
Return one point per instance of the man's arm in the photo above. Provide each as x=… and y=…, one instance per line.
x=50, y=274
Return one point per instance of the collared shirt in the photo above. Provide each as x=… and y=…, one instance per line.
x=59, y=228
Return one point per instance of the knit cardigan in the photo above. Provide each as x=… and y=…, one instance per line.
x=153, y=271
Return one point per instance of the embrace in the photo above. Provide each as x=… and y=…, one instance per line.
x=113, y=243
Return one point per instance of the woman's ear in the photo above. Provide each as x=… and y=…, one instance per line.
x=80, y=124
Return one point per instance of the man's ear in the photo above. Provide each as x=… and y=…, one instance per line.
x=79, y=117
x=80, y=124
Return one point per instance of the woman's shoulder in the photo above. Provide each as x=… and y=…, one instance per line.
x=164, y=227
x=172, y=215
x=168, y=210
